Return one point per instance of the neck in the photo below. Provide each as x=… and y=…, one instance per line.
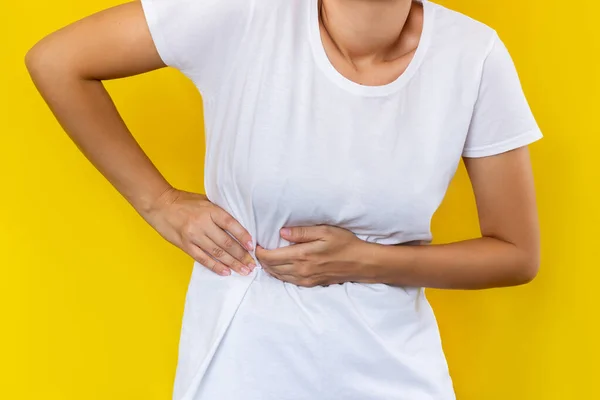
x=365, y=29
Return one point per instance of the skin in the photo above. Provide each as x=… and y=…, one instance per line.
x=368, y=41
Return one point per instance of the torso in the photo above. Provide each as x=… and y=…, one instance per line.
x=292, y=141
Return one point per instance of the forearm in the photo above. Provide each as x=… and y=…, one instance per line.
x=88, y=115
x=471, y=264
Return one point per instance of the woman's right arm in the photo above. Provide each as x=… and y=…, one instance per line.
x=68, y=67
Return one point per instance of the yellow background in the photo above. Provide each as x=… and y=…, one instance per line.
x=91, y=297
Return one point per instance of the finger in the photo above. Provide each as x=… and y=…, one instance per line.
x=281, y=276
x=302, y=234
x=284, y=255
x=226, y=222
x=283, y=269
x=218, y=253
x=230, y=245
x=204, y=259
x=293, y=279
x=291, y=271
x=261, y=254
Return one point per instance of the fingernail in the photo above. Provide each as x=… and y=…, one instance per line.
x=245, y=270
x=285, y=231
x=225, y=272
x=251, y=266
x=249, y=245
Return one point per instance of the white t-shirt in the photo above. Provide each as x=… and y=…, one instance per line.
x=290, y=142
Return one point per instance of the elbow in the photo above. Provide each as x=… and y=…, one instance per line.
x=31, y=60
x=528, y=268
x=35, y=60
x=38, y=60
x=34, y=57
x=44, y=60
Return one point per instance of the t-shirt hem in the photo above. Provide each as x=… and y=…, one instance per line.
x=523, y=139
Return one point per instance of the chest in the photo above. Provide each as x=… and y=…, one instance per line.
x=379, y=168
x=297, y=149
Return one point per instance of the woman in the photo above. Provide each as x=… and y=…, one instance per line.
x=342, y=121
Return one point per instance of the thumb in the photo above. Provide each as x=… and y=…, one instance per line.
x=300, y=234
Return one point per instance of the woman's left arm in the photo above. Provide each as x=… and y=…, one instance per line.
x=507, y=254
x=497, y=161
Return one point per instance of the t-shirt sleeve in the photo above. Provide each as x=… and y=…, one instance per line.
x=201, y=38
x=502, y=119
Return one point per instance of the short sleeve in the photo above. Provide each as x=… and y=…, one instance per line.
x=201, y=38
x=502, y=119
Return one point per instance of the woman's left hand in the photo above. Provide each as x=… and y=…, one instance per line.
x=320, y=255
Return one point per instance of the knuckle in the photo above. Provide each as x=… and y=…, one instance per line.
x=315, y=282
x=188, y=230
x=200, y=256
x=303, y=254
x=237, y=265
x=228, y=220
x=212, y=266
x=304, y=272
x=306, y=282
x=228, y=242
x=195, y=220
x=301, y=232
x=217, y=251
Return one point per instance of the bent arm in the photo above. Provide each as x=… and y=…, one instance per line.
x=507, y=254
x=67, y=68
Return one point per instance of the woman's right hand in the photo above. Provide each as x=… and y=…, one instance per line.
x=67, y=67
x=200, y=228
